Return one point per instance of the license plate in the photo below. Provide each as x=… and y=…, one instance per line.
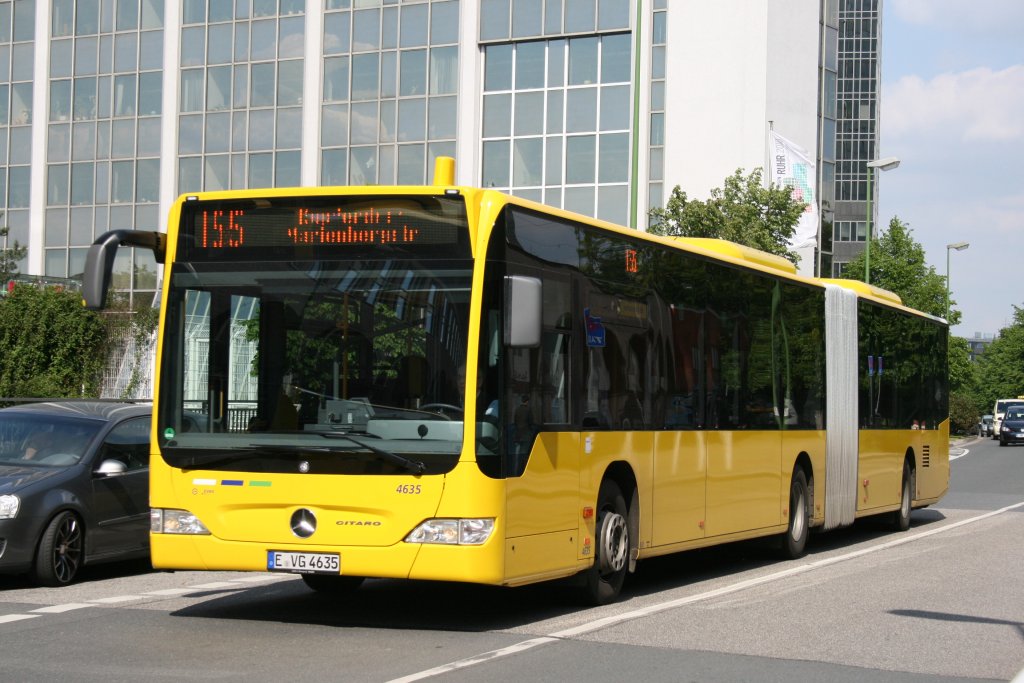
x=303, y=563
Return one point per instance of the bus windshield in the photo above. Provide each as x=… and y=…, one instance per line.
x=334, y=364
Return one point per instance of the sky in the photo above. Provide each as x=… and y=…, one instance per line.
x=952, y=111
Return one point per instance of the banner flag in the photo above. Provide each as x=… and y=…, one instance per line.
x=792, y=167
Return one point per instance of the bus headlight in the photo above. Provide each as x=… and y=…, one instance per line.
x=452, y=531
x=9, y=506
x=175, y=522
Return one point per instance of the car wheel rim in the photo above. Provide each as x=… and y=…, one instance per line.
x=67, y=550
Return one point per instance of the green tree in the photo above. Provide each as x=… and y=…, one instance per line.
x=963, y=415
x=742, y=211
x=49, y=344
x=1000, y=371
x=962, y=371
x=898, y=265
x=9, y=256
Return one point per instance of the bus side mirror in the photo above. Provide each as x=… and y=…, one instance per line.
x=522, y=311
x=99, y=261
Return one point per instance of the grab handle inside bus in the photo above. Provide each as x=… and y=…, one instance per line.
x=99, y=261
x=522, y=311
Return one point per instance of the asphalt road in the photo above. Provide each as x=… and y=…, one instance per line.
x=942, y=602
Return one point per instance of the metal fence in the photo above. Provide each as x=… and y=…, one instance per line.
x=130, y=365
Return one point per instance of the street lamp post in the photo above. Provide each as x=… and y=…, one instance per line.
x=886, y=164
x=959, y=246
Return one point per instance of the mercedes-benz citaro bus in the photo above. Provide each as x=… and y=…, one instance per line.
x=450, y=383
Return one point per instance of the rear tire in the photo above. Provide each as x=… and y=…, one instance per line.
x=794, y=541
x=603, y=581
x=60, y=552
x=329, y=584
x=901, y=518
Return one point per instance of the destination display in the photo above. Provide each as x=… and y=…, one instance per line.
x=237, y=229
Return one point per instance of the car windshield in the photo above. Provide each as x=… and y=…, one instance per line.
x=44, y=440
x=1015, y=415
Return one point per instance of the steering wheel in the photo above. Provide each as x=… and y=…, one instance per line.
x=441, y=408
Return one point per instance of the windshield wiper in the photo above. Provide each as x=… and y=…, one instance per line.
x=414, y=466
x=187, y=459
x=191, y=461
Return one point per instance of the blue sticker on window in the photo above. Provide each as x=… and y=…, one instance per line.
x=595, y=329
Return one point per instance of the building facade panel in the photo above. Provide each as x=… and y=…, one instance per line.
x=857, y=126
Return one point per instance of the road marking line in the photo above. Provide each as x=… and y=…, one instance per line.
x=605, y=622
x=8, y=618
x=169, y=591
x=116, y=599
x=479, y=659
x=215, y=584
x=67, y=607
x=259, y=578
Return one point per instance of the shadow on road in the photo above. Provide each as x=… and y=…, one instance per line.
x=424, y=605
x=948, y=616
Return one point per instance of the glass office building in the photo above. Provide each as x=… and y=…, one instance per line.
x=109, y=109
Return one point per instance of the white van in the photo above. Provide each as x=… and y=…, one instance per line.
x=1000, y=410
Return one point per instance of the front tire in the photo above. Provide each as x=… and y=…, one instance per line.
x=60, y=551
x=794, y=541
x=901, y=518
x=611, y=562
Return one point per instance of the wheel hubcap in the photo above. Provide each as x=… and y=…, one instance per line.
x=614, y=543
x=799, y=515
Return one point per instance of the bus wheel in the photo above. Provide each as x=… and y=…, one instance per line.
x=329, y=584
x=604, y=579
x=901, y=518
x=794, y=541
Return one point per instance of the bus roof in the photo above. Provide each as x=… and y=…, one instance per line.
x=865, y=289
x=740, y=252
x=718, y=249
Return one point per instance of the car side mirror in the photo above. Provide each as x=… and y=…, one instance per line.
x=109, y=468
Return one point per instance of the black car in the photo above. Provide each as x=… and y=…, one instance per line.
x=1012, y=429
x=74, y=487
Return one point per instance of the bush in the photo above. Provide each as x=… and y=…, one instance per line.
x=50, y=346
x=963, y=415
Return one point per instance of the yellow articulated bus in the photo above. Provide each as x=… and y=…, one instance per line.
x=449, y=383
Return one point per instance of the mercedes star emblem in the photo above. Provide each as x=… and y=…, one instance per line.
x=303, y=523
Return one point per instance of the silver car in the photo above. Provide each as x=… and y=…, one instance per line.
x=985, y=427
